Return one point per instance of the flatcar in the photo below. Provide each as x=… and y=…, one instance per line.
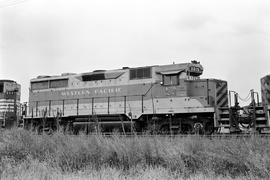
x=9, y=103
x=161, y=98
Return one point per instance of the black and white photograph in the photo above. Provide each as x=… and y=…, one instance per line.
x=134, y=89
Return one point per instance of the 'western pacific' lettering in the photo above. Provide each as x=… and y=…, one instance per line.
x=93, y=92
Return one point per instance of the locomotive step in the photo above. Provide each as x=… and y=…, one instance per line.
x=262, y=126
x=260, y=119
x=224, y=125
x=224, y=119
x=260, y=112
x=175, y=127
x=225, y=112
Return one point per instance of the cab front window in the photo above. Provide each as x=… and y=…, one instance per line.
x=170, y=79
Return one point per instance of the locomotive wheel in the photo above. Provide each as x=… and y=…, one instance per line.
x=209, y=128
x=164, y=129
x=198, y=128
x=186, y=129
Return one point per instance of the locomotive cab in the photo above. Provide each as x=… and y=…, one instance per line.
x=172, y=77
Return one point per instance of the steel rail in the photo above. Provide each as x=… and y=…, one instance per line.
x=213, y=136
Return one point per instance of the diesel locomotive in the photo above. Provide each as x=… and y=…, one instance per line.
x=161, y=98
x=10, y=110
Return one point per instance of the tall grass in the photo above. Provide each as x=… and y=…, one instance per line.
x=63, y=156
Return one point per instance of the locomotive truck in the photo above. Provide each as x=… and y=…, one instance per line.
x=161, y=98
x=9, y=103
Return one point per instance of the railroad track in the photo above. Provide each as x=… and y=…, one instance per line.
x=213, y=136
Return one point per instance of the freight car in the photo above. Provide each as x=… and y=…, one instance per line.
x=162, y=98
x=9, y=103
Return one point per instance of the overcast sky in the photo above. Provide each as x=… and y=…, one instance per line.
x=231, y=38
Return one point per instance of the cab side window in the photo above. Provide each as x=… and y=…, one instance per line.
x=170, y=79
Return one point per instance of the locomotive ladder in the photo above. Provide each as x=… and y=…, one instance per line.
x=224, y=117
x=260, y=117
